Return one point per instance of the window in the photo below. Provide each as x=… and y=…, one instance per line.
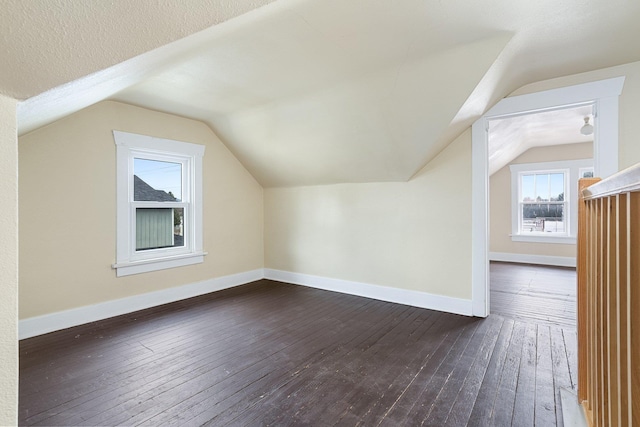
x=159, y=203
x=585, y=173
x=543, y=199
x=541, y=202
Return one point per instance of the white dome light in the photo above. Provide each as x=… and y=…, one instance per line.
x=587, y=129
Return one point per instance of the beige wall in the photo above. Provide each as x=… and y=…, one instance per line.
x=8, y=263
x=629, y=148
x=390, y=234
x=68, y=210
x=381, y=233
x=414, y=235
x=500, y=201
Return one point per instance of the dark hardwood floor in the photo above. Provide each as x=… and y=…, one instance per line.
x=270, y=353
x=533, y=293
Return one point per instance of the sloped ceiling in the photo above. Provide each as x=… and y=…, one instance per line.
x=308, y=92
x=510, y=137
x=46, y=43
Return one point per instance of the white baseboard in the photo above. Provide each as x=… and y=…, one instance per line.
x=383, y=293
x=39, y=325
x=559, y=261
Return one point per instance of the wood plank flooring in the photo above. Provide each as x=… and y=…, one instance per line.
x=533, y=293
x=270, y=353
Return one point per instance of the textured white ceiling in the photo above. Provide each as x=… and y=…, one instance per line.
x=46, y=43
x=314, y=92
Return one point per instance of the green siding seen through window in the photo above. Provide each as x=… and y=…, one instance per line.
x=154, y=228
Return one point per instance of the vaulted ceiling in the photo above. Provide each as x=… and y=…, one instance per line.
x=306, y=92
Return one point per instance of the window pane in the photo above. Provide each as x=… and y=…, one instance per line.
x=159, y=228
x=543, y=218
x=156, y=181
x=557, y=186
x=528, y=188
x=542, y=188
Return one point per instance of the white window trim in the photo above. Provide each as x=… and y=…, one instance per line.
x=571, y=169
x=190, y=155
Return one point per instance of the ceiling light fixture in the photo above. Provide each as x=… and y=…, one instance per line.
x=587, y=129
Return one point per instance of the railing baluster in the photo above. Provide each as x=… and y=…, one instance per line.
x=622, y=281
x=583, y=293
x=634, y=309
x=609, y=299
x=602, y=312
x=613, y=313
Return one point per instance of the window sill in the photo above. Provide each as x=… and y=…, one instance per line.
x=147, y=265
x=541, y=238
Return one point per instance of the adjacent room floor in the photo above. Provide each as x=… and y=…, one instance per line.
x=270, y=353
x=534, y=293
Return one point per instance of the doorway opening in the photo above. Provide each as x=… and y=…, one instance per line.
x=540, y=294
x=602, y=95
x=534, y=163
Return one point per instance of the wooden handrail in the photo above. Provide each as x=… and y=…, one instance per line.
x=609, y=299
x=625, y=181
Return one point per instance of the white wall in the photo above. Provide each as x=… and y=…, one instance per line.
x=414, y=235
x=8, y=263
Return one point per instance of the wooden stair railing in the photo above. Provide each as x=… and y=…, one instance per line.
x=609, y=299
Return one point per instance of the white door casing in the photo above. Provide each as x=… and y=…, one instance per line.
x=603, y=94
